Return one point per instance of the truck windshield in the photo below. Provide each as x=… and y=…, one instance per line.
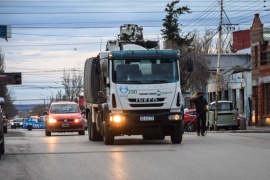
x=144, y=71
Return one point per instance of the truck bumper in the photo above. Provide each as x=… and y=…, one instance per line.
x=138, y=124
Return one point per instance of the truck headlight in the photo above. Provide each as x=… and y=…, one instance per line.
x=116, y=118
x=174, y=117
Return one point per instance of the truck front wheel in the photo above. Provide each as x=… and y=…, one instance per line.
x=108, y=136
x=177, y=135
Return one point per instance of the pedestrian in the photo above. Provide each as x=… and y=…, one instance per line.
x=201, y=108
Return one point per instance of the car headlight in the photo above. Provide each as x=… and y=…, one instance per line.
x=51, y=120
x=174, y=117
x=78, y=119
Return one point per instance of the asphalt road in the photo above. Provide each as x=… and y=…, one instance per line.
x=30, y=155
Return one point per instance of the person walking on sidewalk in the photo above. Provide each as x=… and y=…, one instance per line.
x=201, y=108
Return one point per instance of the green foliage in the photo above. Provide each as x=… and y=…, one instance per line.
x=171, y=25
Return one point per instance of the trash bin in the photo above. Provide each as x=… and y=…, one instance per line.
x=243, y=123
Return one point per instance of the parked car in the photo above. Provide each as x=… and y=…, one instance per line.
x=17, y=122
x=227, y=115
x=64, y=117
x=2, y=136
x=34, y=123
x=190, y=122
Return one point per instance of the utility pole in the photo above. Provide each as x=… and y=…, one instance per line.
x=218, y=64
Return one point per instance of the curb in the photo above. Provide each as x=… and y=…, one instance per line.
x=240, y=131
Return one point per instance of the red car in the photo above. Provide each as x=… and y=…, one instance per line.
x=64, y=117
x=190, y=120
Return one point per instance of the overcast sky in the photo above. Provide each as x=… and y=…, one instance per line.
x=53, y=35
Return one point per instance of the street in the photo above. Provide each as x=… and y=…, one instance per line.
x=30, y=155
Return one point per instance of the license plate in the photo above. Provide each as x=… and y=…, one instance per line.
x=147, y=118
x=65, y=125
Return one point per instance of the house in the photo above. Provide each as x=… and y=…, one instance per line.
x=260, y=72
x=235, y=82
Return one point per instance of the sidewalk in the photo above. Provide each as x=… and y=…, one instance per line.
x=249, y=129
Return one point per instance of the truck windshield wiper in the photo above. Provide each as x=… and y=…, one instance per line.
x=159, y=81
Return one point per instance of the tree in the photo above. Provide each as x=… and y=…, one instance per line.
x=171, y=25
x=72, y=81
x=9, y=107
x=172, y=33
x=200, y=69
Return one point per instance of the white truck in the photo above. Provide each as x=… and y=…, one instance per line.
x=133, y=89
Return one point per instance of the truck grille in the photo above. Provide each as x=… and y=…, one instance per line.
x=146, y=102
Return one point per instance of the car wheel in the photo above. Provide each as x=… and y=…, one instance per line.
x=47, y=133
x=108, y=136
x=190, y=127
x=5, y=129
x=177, y=135
x=29, y=128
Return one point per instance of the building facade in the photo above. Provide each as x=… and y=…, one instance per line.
x=260, y=66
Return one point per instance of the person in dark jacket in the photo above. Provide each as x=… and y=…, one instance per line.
x=201, y=108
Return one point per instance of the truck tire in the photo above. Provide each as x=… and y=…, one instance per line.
x=94, y=134
x=108, y=137
x=177, y=134
x=89, y=129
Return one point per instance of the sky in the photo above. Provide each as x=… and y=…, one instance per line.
x=51, y=36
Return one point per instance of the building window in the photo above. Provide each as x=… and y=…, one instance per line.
x=265, y=58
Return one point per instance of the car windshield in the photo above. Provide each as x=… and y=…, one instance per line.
x=223, y=106
x=64, y=108
x=18, y=120
x=145, y=71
